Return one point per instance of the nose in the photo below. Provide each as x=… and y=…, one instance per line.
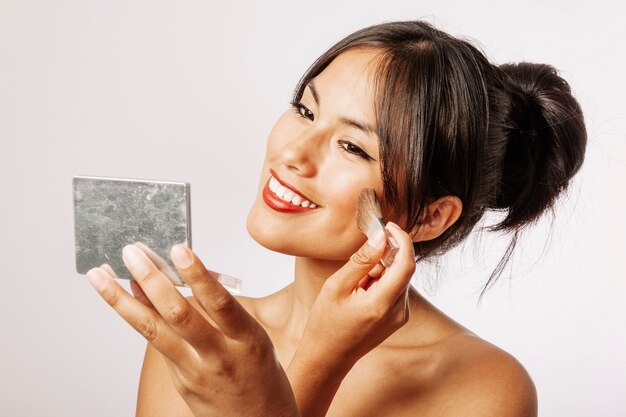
x=304, y=152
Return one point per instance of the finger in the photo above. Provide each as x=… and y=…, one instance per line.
x=360, y=263
x=401, y=310
x=184, y=319
x=109, y=270
x=397, y=277
x=232, y=319
x=371, y=276
x=364, y=282
x=140, y=295
x=377, y=272
x=143, y=319
x=160, y=263
x=134, y=287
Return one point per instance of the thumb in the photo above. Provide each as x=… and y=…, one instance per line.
x=361, y=262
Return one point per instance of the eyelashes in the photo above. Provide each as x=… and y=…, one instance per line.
x=353, y=149
x=304, y=113
x=299, y=107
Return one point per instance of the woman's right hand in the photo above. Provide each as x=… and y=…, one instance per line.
x=349, y=319
x=220, y=360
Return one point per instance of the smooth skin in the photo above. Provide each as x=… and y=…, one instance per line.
x=384, y=351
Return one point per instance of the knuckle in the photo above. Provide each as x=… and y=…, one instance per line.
x=225, y=369
x=111, y=296
x=197, y=380
x=148, y=329
x=362, y=257
x=259, y=347
x=146, y=276
x=179, y=314
x=376, y=313
x=224, y=304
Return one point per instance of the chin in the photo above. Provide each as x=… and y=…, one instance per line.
x=264, y=233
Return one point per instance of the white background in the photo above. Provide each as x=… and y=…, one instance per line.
x=189, y=90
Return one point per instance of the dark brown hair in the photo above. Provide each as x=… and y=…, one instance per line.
x=506, y=137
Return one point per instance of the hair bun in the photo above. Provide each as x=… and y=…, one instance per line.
x=546, y=141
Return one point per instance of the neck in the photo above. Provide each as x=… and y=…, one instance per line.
x=298, y=297
x=310, y=275
x=293, y=305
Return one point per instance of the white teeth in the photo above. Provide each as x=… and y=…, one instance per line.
x=273, y=184
x=287, y=195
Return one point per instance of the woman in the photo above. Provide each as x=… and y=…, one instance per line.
x=442, y=136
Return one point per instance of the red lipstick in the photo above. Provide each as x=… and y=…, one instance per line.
x=277, y=203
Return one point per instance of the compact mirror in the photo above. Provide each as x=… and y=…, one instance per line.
x=110, y=213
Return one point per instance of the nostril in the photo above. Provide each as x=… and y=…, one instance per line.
x=301, y=155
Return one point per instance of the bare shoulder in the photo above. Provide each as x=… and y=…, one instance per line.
x=456, y=375
x=157, y=395
x=478, y=378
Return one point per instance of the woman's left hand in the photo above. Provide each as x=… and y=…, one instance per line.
x=358, y=307
x=362, y=303
x=222, y=367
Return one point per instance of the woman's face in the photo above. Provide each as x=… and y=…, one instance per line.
x=318, y=150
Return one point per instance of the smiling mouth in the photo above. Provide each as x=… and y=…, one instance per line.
x=282, y=198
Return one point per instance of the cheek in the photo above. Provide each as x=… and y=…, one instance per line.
x=344, y=191
x=345, y=181
x=342, y=198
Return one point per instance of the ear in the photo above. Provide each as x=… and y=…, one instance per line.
x=438, y=216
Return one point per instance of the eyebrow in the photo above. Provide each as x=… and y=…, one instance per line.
x=365, y=127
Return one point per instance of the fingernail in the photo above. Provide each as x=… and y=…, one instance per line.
x=181, y=256
x=107, y=268
x=97, y=278
x=376, y=239
x=132, y=254
x=392, y=224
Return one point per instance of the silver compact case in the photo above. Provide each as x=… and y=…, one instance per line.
x=110, y=213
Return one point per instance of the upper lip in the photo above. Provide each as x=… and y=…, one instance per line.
x=291, y=187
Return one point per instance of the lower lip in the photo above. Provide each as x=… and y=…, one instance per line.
x=278, y=204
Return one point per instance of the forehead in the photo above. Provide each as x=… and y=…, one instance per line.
x=349, y=81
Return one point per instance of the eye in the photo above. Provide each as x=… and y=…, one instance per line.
x=351, y=148
x=302, y=111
